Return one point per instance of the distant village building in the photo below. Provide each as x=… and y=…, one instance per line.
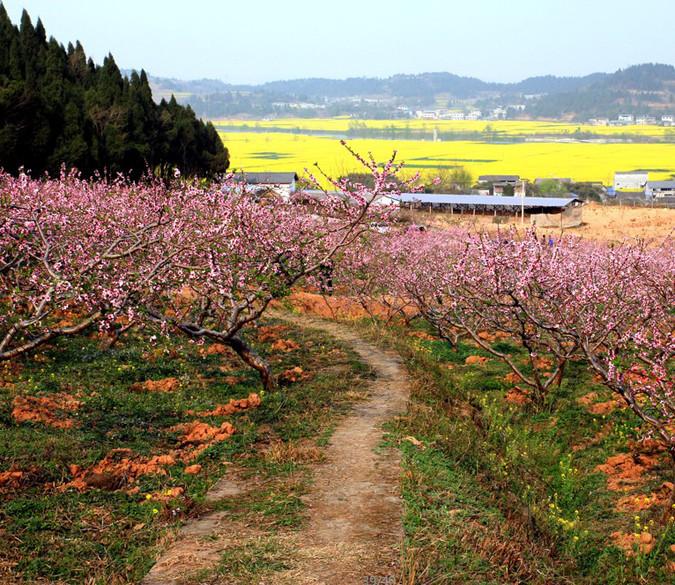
x=282, y=184
x=630, y=179
x=510, y=179
x=501, y=184
x=668, y=120
x=659, y=189
x=626, y=119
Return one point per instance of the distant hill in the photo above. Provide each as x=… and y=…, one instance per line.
x=644, y=89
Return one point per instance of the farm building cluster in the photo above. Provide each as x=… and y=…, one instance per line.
x=561, y=212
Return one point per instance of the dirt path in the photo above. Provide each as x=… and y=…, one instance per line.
x=354, y=528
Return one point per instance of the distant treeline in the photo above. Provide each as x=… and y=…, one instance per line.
x=59, y=108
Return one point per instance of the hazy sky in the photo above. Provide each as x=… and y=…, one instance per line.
x=250, y=41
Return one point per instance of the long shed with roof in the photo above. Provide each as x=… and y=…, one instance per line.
x=541, y=211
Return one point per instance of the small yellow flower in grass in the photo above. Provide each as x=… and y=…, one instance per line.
x=575, y=539
x=148, y=496
x=155, y=511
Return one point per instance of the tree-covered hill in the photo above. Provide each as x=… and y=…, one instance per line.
x=641, y=89
x=59, y=108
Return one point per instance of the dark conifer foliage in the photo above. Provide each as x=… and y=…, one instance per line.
x=59, y=108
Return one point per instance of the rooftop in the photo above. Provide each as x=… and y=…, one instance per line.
x=267, y=178
x=488, y=200
x=491, y=178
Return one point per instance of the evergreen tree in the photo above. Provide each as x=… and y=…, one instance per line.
x=59, y=108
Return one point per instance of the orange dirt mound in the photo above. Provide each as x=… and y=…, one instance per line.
x=119, y=468
x=341, y=307
x=199, y=436
x=624, y=471
x=475, y=360
x=647, y=446
x=632, y=543
x=511, y=378
x=518, y=396
x=293, y=375
x=640, y=502
x=11, y=479
x=48, y=410
x=599, y=408
x=543, y=363
x=198, y=432
x=165, y=385
x=270, y=333
x=233, y=406
x=285, y=345
x=214, y=349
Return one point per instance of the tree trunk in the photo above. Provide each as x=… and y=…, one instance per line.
x=252, y=359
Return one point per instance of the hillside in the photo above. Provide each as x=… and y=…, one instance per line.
x=641, y=89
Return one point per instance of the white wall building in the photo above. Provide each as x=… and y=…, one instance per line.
x=658, y=189
x=631, y=180
x=283, y=184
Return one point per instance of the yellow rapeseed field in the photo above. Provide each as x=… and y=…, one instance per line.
x=503, y=127
x=259, y=151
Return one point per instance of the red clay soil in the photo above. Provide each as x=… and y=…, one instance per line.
x=338, y=307
x=118, y=469
x=270, y=333
x=475, y=360
x=11, y=479
x=293, y=375
x=512, y=378
x=625, y=471
x=233, y=406
x=199, y=436
x=215, y=349
x=600, y=408
x=632, y=543
x=163, y=386
x=285, y=345
x=518, y=395
x=640, y=502
x=49, y=410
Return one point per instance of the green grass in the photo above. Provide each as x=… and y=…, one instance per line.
x=109, y=536
x=496, y=493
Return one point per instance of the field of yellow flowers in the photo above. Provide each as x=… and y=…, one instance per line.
x=254, y=149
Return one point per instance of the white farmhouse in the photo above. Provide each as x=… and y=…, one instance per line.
x=283, y=184
x=633, y=180
x=658, y=189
